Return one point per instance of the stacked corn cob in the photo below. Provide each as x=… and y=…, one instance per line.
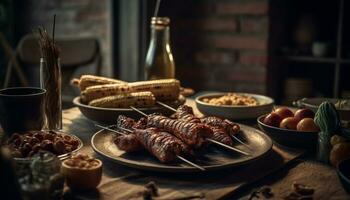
x=90, y=80
x=111, y=93
x=99, y=91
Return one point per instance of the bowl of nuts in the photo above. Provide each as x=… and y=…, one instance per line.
x=236, y=106
x=24, y=145
x=82, y=171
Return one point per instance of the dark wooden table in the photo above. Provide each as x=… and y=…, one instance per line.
x=302, y=170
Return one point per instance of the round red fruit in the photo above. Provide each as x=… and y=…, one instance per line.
x=289, y=123
x=307, y=124
x=284, y=112
x=272, y=119
x=304, y=113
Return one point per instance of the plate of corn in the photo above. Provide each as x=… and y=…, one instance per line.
x=103, y=99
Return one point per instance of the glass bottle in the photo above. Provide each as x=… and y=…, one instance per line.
x=50, y=79
x=47, y=166
x=159, y=59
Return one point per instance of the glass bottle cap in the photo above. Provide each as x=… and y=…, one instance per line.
x=164, y=21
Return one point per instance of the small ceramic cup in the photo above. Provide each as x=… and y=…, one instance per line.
x=22, y=109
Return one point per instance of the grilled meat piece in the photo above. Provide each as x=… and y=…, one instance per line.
x=150, y=138
x=234, y=127
x=141, y=124
x=161, y=144
x=192, y=134
x=185, y=113
x=129, y=123
x=125, y=122
x=231, y=127
x=220, y=135
x=127, y=143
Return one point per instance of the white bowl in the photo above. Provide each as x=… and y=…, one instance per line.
x=239, y=112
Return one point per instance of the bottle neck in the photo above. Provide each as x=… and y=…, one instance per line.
x=160, y=35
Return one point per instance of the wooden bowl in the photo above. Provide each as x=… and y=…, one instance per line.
x=290, y=138
x=235, y=112
x=82, y=179
x=110, y=115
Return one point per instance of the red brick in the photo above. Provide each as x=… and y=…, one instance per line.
x=240, y=42
x=208, y=24
x=249, y=77
x=238, y=8
x=254, y=25
x=242, y=74
x=253, y=59
x=216, y=24
x=209, y=58
x=191, y=73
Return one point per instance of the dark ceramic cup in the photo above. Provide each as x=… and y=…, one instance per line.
x=22, y=109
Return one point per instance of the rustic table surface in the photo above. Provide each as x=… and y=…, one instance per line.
x=277, y=171
x=125, y=183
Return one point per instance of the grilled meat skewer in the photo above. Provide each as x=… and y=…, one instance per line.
x=159, y=143
x=231, y=127
x=133, y=141
x=192, y=134
x=185, y=113
x=127, y=142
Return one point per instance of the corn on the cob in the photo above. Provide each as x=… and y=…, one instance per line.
x=137, y=99
x=91, y=80
x=162, y=89
x=100, y=91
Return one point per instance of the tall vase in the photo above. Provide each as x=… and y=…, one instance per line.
x=50, y=79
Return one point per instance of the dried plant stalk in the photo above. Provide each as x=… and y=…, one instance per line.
x=51, y=80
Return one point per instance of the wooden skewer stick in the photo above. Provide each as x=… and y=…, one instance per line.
x=125, y=129
x=109, y=129
x=166, y=106
x=191, y=163
x=179, y=157
x=227, y=146
x=139, y=111
x=233, y=136
x=208, y=139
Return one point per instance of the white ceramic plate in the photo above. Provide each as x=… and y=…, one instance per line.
x=313, y=103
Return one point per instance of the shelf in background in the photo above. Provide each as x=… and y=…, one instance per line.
x=312, y=59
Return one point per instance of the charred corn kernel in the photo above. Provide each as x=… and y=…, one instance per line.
x=137, y=99
x=100, y=91
x=91, y=80
x=162, y=89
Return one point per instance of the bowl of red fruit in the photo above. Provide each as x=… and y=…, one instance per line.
x=294, y=129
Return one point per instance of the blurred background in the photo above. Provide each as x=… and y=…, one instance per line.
x=286, y=49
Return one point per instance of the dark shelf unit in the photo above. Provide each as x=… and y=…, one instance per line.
x=279, y=30
x=311, y=59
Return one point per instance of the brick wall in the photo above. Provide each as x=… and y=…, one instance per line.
x=74, y=18
x=220, y=45
x=217, y=44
